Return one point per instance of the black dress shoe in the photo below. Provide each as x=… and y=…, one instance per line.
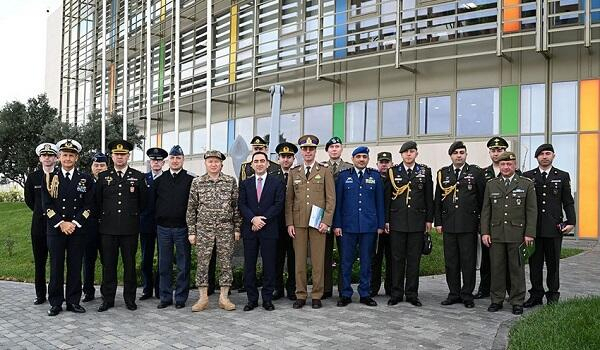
x=394, y=301
x=368, y=301
x=278, y=294
x=449, y=301
x=78, y=309
x=316, y=303
x=39, y=301
x=131, y=305
x=344, y=301
x=469, y=304
x=414, y=301
x=88, y=297
x=54, y=310
x=267, y=305
x=292, y=296
x=531, y=302
x=163, y=304
x=326, y=295
x=494, y=307
x=299, y=303
x=517, y=310
x=481, y=295
x=179, y=305
x=250, y=306
x=145, y=297
x=105, y=306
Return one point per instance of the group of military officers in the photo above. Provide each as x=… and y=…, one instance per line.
x=281, y=210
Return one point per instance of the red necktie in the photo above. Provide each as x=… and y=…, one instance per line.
x=259, y=186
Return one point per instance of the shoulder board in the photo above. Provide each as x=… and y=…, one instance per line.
x=324, y=164
x=474, y=166
x=423, y=165
x=372, y=169
x=348, y=163
x=296, y=167
x=345, y=170
x=492, y=179
x=525, y=177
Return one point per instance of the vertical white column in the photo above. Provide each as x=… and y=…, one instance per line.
x=103, y=79
x=176, y=75
x=148, y=74
x=209, y=47
x=125, y=68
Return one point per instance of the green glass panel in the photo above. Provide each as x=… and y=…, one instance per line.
x=339, y=117
x=509, y=110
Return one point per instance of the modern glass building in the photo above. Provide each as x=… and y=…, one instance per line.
x=376, y=72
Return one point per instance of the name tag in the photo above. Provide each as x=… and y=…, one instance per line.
x=37, y=186
x=556, y=180
x=132, y=179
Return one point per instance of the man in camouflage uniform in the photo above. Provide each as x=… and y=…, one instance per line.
x=212, y=217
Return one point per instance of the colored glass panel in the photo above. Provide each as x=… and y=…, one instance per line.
x=588, y=186
x=512, y=16
x=509, y=110
x=341, y=29
x=339, y=116
x=589, y=108
x=233, y=42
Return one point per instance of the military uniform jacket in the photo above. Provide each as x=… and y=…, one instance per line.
x=213, y=204
x=120, y=201
x=33, y=199
x=343, y=166
x=274, y=170
x=489, y=172
x=553, y=196
x=409, y=199
x=64, y=200
x=509, y=213
x=458, y=201
x=359, y=205
x=303, y=193
x=147, y=220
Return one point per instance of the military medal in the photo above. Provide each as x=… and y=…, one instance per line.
x=81, y=186
x=108, y=180
x=518, y=201
x=470, y=187
x=131, y=189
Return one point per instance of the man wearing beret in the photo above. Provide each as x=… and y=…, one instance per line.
x=508, y=220
x=150, y=278
x=309, y=185
x=46, y=153
x=458, y=201
x=553, y=189
x=409, y=214
x=171, y=193
x=286, y=152
x=382, y=247
x=359, y=218
x=121, y=193
x=92, y=244
x=335, y=163
x=67, y=199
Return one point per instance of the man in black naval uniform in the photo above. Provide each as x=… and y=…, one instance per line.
x=67, y=199
x=409, y=214
x=496, y=146
x=259, y=145
x=553, y=192
x=120, y=197
x=47, y=153
x=458, y=202
x=285, y=244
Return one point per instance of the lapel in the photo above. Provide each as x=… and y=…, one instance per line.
x=252, y=188
x=63, y=179
x=551, y=175
x=314, y=170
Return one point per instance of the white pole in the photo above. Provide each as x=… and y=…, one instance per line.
x=175, y=54
x=103, y=79
x=148, y=75
x=125, y=68
x=209, y=47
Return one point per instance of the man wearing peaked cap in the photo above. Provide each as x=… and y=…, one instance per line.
x=46, y=153
x=150, y=276
x=335, y=163
x=309, y=185
x=259, y=145
x=121, y=193
x=67, y=199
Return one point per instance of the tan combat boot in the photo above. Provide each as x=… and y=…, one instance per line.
x=202, y=302
x=224, y=302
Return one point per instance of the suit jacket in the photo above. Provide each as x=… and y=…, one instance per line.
x=71, y=201
x=271, y=204
x=33, y=199
x=553, y=196
x=509, y=213
x=303, y=193
x=409, y=210
x=147, y=220
x=120, y=200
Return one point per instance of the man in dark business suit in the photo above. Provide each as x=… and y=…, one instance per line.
x=261, y=203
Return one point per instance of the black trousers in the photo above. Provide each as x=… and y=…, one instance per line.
x=460, y=257
x=39, y=245
x=285, y=248
x=485, y=273
x=60, y=247
x=111, y=244
x=328, y=268
x=267, y=248
x=548, y=250
x=383, y=250
x=150, y=276
x=90, y=254
x=406, y=259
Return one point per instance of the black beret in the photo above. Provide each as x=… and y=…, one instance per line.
x=408, y=145
x=456, y=145
x=497, y=142
x=542, y=148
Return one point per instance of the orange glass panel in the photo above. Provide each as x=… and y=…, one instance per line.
x=587, y=221
x=589, y=105
x=512, y=16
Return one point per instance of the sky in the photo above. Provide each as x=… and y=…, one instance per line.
x=23, y=43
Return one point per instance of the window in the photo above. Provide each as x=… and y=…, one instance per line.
x=434, y=115
x=199, y=140
x=361, y=121
x=289, y=127
x=184, y=141
x=477, y=112
x=564, y=106
x=529, y=144
x=244, y=128
x=218, y=136
x=318, y=121
x=168, y=140
x=362, y=7
x=533, y=108
x=565, y=148
x=395, y=118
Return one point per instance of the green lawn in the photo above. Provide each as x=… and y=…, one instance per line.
x=573, y=324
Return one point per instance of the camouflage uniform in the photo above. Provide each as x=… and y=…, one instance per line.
x=213, y=216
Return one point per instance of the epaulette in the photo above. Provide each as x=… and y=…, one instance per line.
x=296, y=167
x=324, y=164
x=344, y=170
x=525, y=177
x=423, y=165
x=475, y=166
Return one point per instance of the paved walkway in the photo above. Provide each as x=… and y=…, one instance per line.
x=354, y=327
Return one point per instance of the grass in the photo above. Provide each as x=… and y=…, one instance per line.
x=573, y=324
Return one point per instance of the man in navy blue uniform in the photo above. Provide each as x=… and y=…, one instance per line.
x=359, y=218
x=261, y=203
x=67, y=199
x=150, y=277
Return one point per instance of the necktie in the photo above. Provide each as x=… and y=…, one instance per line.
x=409, y=172
x=175, y=176
x=285, y=177
x=68, y=176
x=334, y=167
x=544, y=176
x=360, y=176
x=506, y=182
x=307, y=171
x=120, y=173
x=457, y=171
x=259, y=186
